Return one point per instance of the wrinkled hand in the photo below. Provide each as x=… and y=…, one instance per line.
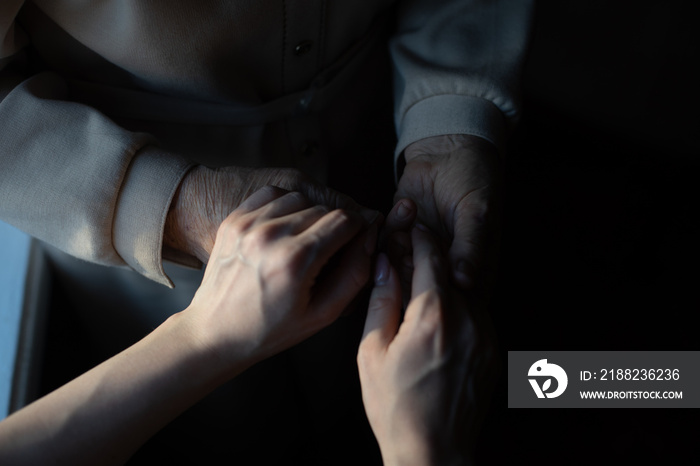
x=207, y=196
x=454, y=182
x=426, y=380
x=263, y=291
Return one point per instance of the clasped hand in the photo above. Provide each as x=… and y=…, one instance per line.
x=282, y=266
x=281, y=269
x=269, y=283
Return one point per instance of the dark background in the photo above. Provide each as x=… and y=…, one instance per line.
x=600, y=244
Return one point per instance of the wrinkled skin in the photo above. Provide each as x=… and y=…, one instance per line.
x=454, y=183
x=207, y=196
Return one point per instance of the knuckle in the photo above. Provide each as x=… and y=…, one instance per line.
x=431, y=315
x=340, y=216
x=259, y=238
x=271, y=190
x=431, y=258
x=303, y=254
x=476, y=205
x=267, y=232
x=252, y=243
x=341, y=200
x=435, y=259
x=429, y=327
x=320, y=209
x=235, y=225
x=380, y=302
x=433, y=300
x=296, y=196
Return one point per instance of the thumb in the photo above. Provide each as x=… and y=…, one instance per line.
x=384, y=311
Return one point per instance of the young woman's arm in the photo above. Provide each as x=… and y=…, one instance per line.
x=103, y=416
x=256, y=299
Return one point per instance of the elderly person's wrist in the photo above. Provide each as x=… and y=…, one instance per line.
x=186, y=230
x=446, y=144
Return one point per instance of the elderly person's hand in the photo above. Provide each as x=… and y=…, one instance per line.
x=455, y=183
x=425, y=379
x=207, y=196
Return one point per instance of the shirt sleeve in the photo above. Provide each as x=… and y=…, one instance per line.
x=73, y=178
x=457, y=67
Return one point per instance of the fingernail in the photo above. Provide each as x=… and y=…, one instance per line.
x=422, y=227
x=371, y=240
x=381, y=271
x=404, y=211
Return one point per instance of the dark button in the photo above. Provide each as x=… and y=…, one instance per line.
x=303, y=48
x=308, y=149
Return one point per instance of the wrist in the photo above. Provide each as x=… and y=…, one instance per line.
x=185, y=229
x=207, y=359
x=448, y=144
x=422, y=449
x=426, y=458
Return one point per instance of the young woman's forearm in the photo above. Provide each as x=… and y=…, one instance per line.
x=261, y=293
x=103, y=416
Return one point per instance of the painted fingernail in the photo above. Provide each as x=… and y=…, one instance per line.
x=371, y=240
x=381, y=271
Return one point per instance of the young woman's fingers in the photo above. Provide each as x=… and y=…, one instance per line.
x=384, y=311
x=400, y=253
x=336, y=289
x=297, y=222
x=401, y=218
x=277, y=211
x=286, y=204
x=429, y=267
x=327, y=236
x=398, y=245
x=261, y=197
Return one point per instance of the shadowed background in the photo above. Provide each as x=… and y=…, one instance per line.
x=600, y=244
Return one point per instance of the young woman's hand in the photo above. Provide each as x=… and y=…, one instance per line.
x=281, y=269
x=425, y=380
